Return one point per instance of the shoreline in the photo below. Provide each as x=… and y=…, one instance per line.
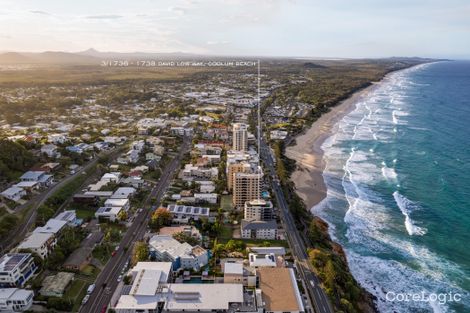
x=308, y=153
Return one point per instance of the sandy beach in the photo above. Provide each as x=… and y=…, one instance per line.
x=308, y=178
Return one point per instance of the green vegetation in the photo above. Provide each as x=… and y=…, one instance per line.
x=14, y=160
x=183, y=237
x=161, y=217
x=54, y=202
x=68, y=242
x=140, y=252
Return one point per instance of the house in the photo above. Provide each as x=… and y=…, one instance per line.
x=53, y=226
x=120, y=203
x=108, y=213
x=57, y=138
x=181, y=255
x=15, y=300
x=51, y=151
x=37, y=176
x=206, y=186
x=70, y=217
x=55, y=285
x=206, y=198
x=113, y=177
x=258, y=229
x=16, y=269
x=183, y=213
x=28, y=186
x=123, y=193
x=14, y=193
x=40, y=243
x=81, y=257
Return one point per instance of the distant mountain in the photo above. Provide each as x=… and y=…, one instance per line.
x=138, y=55
x=14, y=58
x=48, y=57
x=313, y=65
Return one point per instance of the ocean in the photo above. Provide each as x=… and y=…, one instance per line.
x=398, y=179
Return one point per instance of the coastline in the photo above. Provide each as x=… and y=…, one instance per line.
x=308, y=153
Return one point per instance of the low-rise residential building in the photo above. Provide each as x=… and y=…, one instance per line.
x=16, y=269
x=51, y=151
x=53, y=226
x=183, y=213
x=181, y=255
x=40, y=177
x=206, y=198
x=108, y=213
x=14, y=193
x=123, y=193
x=152, y=291
x=41, y=244
x=191, y=172
x=55, y=285
x=259, y=229
x=15, y=300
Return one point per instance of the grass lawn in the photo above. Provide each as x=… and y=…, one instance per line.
x=103, y=252
x=90, y=270
x=225, y=234
x=259, y=242
x=84, y=213
x=76, y=292
x=226, y=203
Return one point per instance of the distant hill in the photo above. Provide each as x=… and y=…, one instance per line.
x=48, y=57
x=313, y=65
x=14, y=58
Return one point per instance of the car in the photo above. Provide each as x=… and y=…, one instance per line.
x=90, y=289
x=113, y=253
x=85, y=299
x=119, y=278
x=104, y=309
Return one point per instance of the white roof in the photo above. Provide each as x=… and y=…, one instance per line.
x=26, y=184
x=12, y=191
x=52, y=226
x=35, y=240
x=146, y=283
x=173, y=247
x=14, y=294
x=233, y=268
x=194, y=297
x=116, y=202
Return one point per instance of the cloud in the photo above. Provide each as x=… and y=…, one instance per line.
x=214, y=43
x=104, y=17
x=39, y=12
x=179, y=10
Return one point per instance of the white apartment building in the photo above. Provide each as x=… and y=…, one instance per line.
x=16, y=269
x=152, y=291
x=240, y=137
x=181, y=255
x=40, y=243
x=259, y=229
x=15, y=300
x=258, y=210
x=183, y=213
x=247, y=187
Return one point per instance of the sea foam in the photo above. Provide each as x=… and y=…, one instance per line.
x=406, y=207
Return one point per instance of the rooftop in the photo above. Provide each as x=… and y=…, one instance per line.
x=279, y=289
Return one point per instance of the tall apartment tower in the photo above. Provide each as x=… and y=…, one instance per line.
x=246, y=187
x=240, y=137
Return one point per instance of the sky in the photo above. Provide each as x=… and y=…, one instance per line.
x=299, y=28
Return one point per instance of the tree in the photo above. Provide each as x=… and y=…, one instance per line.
x=122, y=215
x=183, y=237
x=140, y=253
x=160, y=218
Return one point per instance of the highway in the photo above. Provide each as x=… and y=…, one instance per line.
x=106, y=282
x=319, y=299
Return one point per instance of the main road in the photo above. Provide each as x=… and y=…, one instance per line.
x=106, y=282
x=319, y=299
